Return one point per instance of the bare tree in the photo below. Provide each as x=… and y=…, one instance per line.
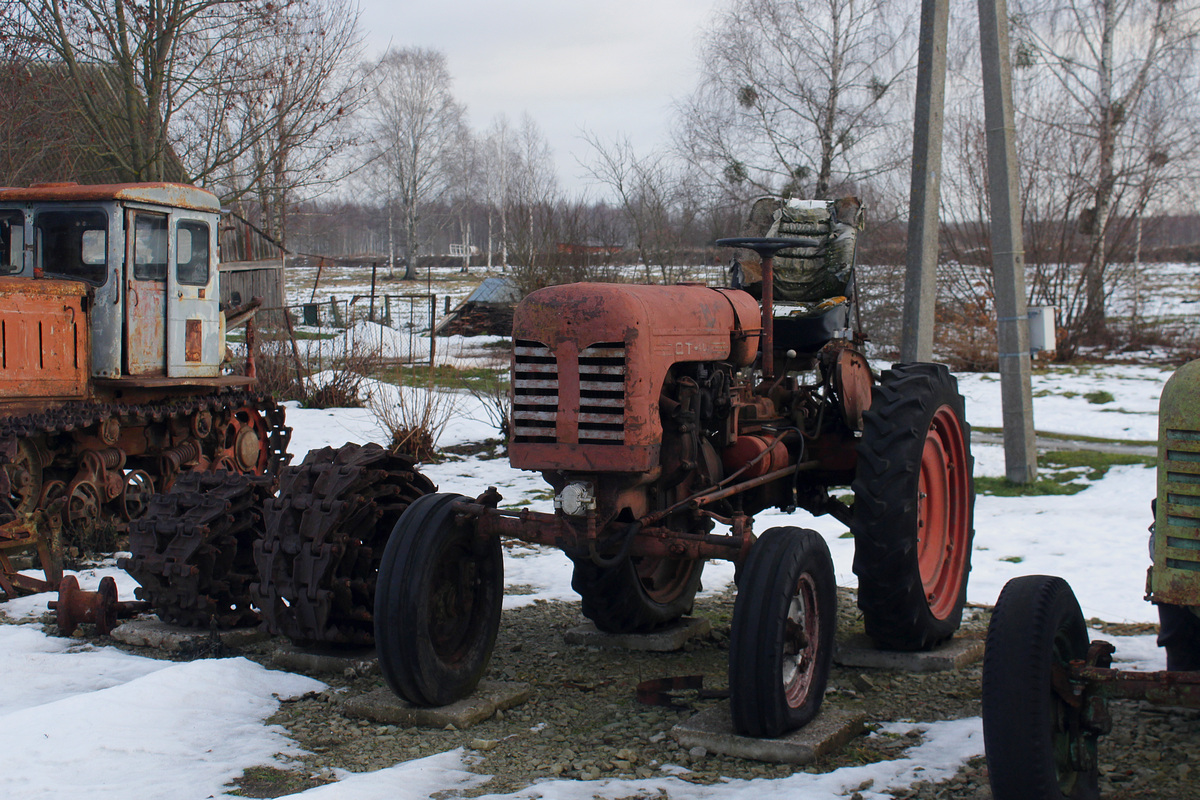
x=499, y=160
x=798, y=96
x=532, y=192
x=648, y=189
x=303, y=90
x=1117, y=77
x=134, y=64
x=416, y=124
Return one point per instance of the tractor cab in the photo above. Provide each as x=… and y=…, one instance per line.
x=147, y=256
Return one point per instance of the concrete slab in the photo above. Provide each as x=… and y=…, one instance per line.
x=326, y=661
x=489, y=697
x=153, y=632
x=860, y=651
x=830, y=731
x=664, y=641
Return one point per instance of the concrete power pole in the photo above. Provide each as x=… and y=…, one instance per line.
x=1020, y=452
x=1008, y=247
x=920, y=276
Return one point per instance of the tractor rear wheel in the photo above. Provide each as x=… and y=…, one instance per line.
x=638, y=595
x=437, y=604
x=914, y=499
x=1036, y=744
x=781, y=642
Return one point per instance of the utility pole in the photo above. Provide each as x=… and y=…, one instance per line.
x=1008, y=257
x=1008, y=247
x=920, y=277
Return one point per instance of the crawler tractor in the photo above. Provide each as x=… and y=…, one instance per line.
x=1046, y=687
x=665, y=418
x=116, y=411
x=111, y=350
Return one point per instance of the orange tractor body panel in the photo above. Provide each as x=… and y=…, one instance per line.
x=44, y=342
x=591, y=360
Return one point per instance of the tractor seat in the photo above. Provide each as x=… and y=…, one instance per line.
x=807, y=328
x=811, y=285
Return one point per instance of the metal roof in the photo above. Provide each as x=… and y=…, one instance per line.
x=176, y=195
x=499, y=291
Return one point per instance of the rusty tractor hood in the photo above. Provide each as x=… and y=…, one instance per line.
x=590, y=360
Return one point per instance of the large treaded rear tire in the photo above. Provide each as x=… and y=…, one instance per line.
x=639, y=595
x=437, y=604
x=1035, y=744
x=781, y=642
x=914, y=498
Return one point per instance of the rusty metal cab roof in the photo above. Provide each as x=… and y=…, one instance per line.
x=175, y=195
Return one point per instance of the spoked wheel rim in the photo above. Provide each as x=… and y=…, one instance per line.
x=139, y=488
x=943, y=527
x=83, y=507
x=801, y=639
x=25, y=479
x=244, y=441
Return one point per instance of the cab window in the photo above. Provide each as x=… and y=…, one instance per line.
x=191, y=253
x=150, y=248
x=12, y=241
x=73, y=243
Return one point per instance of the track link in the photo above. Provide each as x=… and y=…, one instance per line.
x=324, y=538
x=192, y=552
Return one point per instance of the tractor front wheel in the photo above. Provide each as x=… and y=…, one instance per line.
x=914, y=499
x=639, y=594
x=1037, y=745
x=781, y=642
x=437, y=603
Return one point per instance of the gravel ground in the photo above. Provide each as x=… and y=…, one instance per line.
x=584, y=723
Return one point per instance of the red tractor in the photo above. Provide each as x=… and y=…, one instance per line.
x=665, y=418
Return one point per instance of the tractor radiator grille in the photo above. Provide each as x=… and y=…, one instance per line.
x=535, y=392
x=1183, y=500
x=602, y=394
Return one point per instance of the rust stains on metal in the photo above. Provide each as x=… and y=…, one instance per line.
x=178, y=195
x=44, y=340
x=193, y=340
x=591, y=359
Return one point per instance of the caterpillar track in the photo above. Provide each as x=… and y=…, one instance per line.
x=193, y=551
x=84, y=466
x=323, y=541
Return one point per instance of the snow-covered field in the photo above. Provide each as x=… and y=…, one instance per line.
x=78, y=719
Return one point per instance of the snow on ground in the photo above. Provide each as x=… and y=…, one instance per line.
x=96, y=720
x=944, y=748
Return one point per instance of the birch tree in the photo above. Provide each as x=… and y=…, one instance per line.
x=799, y=95
x=415, y=126
x=1117, y=78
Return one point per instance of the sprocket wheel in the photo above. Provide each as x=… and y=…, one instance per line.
x=192, y=551
x=324, y=538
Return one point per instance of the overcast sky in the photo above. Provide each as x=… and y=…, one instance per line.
x=612, y=67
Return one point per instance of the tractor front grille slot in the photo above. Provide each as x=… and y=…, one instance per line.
x=602, y=394
x=1182, y=534
x=535, y=392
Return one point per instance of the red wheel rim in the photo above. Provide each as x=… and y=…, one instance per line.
x=943, y=512
x=801, y=638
